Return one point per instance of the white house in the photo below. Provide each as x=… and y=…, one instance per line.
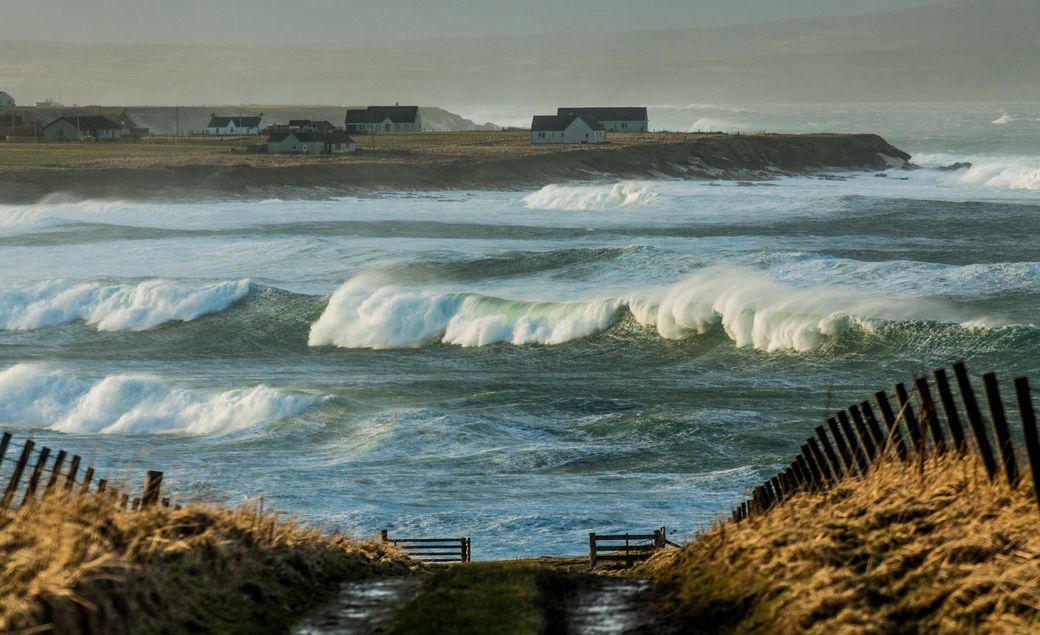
x=295, y=142
x=383, y=119
x=75, y=127
x=235, y=126
x=566, y=129
x=6, y=101
x=625, y=119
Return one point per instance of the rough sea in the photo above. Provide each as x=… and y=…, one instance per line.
x=522, y=367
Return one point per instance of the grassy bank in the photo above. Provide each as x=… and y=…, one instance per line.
x=81, y=565
x=932, y=547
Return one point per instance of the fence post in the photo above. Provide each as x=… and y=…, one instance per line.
x=87, y=477
x=953, y=419
x=1025, y=409
x=854, y=446
x=152, y=484
x=906, y=412
x=828, y=450
x=930, y=414
x=4, y=442
x=800, y=477
x=814, y=470
x=16, y=476
x=843, y=449
x=59, y=461
x=865, y=437
x=34, y=480
x=880, y=440
x=102, y=485
x=821, y=463
x=1000, y=428
x=811, y=478
x=978, y=428
x=777, y=489
x=592, y=549
x=70, y=478
x=383, y=535
x=891, y=424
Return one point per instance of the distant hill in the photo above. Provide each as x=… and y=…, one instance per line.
x=956, y=50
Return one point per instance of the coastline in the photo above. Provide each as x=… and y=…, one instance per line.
x=472, y=166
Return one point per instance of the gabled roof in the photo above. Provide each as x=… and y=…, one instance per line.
x=334, y=136
x=559, y=123
x=240, y=122
x=87, y=123
x=379, y=114
x=626, y=113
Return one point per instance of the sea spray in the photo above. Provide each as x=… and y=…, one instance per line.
x=37, y=395
x=113, y=307
x=753, y=309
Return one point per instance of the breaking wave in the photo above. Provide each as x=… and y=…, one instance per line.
x=1006, y=174
x=752, y=309
x=36, y=395
x=592, y=197
x=115, y=307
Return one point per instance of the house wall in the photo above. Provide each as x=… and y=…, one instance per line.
x=61, y=130
x=342, y=148
x=547, y=136
x=581, y=132
x=293, y=145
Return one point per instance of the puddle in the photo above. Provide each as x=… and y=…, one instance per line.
x=613, y=606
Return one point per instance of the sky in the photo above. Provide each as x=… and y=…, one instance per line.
x=331, y=22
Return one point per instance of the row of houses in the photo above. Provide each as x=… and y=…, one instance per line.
x=587, y=125
x=370, y=120
x=94, y=127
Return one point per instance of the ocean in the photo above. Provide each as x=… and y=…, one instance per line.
x=522, y=367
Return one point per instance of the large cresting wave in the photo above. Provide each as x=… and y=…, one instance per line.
x=114, y=307
x=752, y=309
x=36, y=395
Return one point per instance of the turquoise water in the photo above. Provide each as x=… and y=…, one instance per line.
x=519, y=367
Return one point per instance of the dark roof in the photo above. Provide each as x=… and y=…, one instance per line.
x=241, y=122
x=333, y=136
x=559, y=123
x=630, y=113
x=379, y=114
x=299, y=122
x=87, y=123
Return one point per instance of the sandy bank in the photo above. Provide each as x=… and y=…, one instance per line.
x=510, y=163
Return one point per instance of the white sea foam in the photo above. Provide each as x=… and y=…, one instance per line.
x=712, y=124
x=115, y=307
x=1011, y=173
x=752, y=309
x=1003, y=119
x=592, y=197
x=37, y=395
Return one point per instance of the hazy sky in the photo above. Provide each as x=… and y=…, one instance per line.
x=326, y=22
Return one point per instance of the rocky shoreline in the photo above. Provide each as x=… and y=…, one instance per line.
x=706, y=157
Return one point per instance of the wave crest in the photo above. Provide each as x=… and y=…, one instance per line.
x=580, y=198
x=118, y=307
x=135, y=403
x=751, y=308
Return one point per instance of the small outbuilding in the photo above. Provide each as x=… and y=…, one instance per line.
x=79, y=127
x=624, y=119
x=296, y=142
x=6, y=101
x=220, y=125
x=566, y=129
x=383, y=119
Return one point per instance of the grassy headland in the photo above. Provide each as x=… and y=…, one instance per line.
x=161, y=169
x=80, y=565
x=930, y=547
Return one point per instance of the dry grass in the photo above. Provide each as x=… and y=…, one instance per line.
x=931, y=547
x=79, y=564
x=381, y=148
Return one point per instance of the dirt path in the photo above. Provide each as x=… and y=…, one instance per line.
x=610, y=606
x=362, y=608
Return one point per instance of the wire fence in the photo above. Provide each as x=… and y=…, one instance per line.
x=855, y=439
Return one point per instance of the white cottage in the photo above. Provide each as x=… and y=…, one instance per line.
x=383, y=119
x=566, y=129
x=624, y=119
x=235, y=126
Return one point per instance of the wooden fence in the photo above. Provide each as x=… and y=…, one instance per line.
x=432, y=549
x=625, y=549
x=31, y=472
x=909, y=429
